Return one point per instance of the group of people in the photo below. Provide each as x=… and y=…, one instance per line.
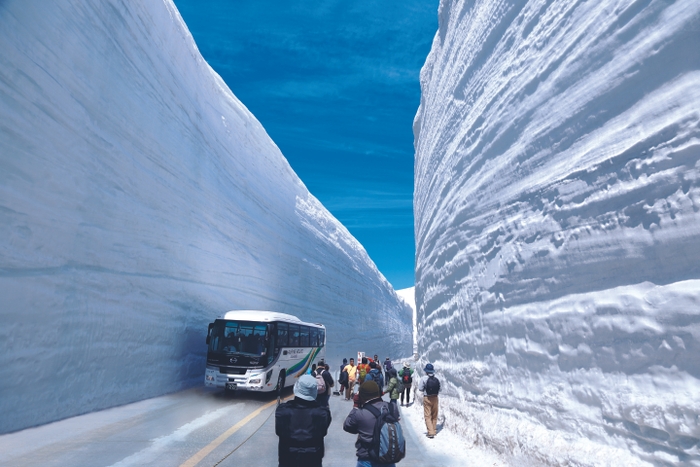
x=302, y=423
x=397, y=383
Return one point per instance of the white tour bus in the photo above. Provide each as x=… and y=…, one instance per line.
x=261, y=350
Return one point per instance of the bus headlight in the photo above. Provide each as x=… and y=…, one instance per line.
x=255, y=381
x=209, y=377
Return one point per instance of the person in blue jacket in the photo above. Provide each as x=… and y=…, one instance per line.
x=375, y=375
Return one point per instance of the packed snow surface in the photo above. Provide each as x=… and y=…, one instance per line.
x=557, y=200
x=139, y=200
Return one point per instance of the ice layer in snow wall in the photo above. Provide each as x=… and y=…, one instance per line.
x=139, y=200
x=557, y=200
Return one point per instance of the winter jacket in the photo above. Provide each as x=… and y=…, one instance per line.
x=361, y=422
x=410, y=372
x=328, y=379
x=376, y=376
x=301, y=426
x=393, y=387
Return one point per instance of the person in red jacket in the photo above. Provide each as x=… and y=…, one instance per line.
x=362, y=370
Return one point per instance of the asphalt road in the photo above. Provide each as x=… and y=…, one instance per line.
x=195, y=428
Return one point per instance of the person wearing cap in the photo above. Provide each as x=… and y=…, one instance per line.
x=301, y=424
x=361, y=421
x=430, y=387
x=406, y=377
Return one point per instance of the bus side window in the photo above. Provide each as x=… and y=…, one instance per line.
x=314, y=337
x=322, y=337
x=304, y=336
x=294, y=335
x=282, y=332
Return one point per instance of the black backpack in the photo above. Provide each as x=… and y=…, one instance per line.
x=388, y=443
x=432, y=386
x=406, y=377
x=343, y=379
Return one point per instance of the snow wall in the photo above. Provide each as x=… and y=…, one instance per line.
x=557, y=200
x=139, y=200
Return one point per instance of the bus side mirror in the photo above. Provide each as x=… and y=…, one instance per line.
x=211, y=325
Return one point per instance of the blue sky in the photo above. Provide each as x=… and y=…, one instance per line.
x=335, y=84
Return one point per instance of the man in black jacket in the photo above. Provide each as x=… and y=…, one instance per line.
x=301, y=425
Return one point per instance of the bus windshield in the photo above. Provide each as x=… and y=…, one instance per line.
x=239, y=337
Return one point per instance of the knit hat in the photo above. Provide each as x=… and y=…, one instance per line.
x=369, y=391
x=429, y=369
x=406, y=365
x=305, y=388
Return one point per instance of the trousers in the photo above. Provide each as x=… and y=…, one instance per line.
x=348, y=390
x=430, y=411
x=407, y=391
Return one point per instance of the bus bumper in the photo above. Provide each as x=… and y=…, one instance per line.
x=251, y=381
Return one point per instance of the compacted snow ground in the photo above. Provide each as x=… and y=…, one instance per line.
x=450, y=442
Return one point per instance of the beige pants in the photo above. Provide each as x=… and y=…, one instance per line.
x=348, y=390
x=430, y=411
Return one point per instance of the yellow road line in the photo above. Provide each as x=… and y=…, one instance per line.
x=204, y=452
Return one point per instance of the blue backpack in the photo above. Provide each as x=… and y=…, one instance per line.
x=388, y=444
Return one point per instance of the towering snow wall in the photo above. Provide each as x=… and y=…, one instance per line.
x=557, y=201
x=139, y=199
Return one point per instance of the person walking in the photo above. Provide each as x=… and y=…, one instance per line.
x=326, y=374
x=342, y=378
x=376, y=376
x=379, y=364
x=393, y=387
x=351, y=369
x=324, y=383
x=430, y=387
x=406, y=376
x=301, y=424
x=362, y=370
x=361, y=421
